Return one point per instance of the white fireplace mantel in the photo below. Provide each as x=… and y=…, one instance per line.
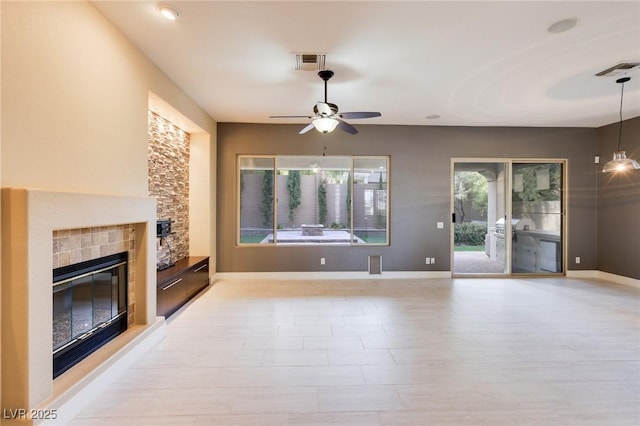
x=29, y=218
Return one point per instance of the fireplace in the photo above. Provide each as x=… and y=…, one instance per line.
x=33, y=224
x=89, y=308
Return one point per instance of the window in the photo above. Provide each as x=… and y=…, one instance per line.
x=256, y=199
x=370, y=199
x=368, y=202
x=337, y=200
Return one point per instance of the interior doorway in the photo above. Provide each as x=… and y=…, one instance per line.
x=508, y=217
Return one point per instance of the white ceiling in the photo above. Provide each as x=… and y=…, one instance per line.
x=473, y=63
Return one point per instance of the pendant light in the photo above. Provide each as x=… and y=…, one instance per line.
x=620, y=162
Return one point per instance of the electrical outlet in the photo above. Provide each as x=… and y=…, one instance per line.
x=578, y=260
x=439, y=225
x=322, y=261
x=427, y=261
x=433, y=260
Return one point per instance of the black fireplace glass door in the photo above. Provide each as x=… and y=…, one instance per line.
x=61, y=315
x=102, y=297
x=89, y=308
x=82, y=304
x=82, y=309
x=119, y=293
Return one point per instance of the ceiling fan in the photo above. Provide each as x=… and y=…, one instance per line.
x=326, y=116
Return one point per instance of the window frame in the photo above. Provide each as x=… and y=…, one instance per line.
x=276, y=172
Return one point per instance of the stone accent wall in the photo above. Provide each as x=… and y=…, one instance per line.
x=72, y=246
x=169, y=183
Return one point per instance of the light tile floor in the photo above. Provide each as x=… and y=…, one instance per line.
x=390, y=352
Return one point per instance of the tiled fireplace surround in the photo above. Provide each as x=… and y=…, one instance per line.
x=37, y=224
x=71, y=246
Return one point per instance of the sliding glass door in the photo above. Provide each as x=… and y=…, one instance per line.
x=508, y=217
x=479, y=205
x=537, y=209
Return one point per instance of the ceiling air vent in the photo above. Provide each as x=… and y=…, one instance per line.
x=309, y=61
x=618, y=70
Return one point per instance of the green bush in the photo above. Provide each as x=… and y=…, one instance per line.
x=471, y=234
x=266, y=208
x=295, y=194
x=322, y=203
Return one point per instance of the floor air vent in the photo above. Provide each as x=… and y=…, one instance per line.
x=375, y=265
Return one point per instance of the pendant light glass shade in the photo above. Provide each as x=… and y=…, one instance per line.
x=325, y=124
x=620, y=163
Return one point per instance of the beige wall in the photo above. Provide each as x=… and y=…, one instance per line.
x=75, y=96
x=1, y=3
x=202, y=205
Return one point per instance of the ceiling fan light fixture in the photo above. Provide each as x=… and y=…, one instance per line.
x=325, y=124
x=168, y=11
x=326, y=117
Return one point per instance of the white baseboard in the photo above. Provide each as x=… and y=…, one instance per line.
x=333, y=275
x=75, y=389
x=364, y=275
x=618, y=279
x=582, y=274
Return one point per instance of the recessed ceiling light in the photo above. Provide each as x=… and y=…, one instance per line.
x=168, y=11
x=432, y=117
x=562, y=25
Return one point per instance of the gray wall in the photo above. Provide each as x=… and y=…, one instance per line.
x=419, y=194
x=619, y=204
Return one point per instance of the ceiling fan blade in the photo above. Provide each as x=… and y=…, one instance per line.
x=290, y=116
x=361, y=114
x=306, y=129
x=346, y=127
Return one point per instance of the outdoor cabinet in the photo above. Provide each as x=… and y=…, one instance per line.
x=181, y=282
